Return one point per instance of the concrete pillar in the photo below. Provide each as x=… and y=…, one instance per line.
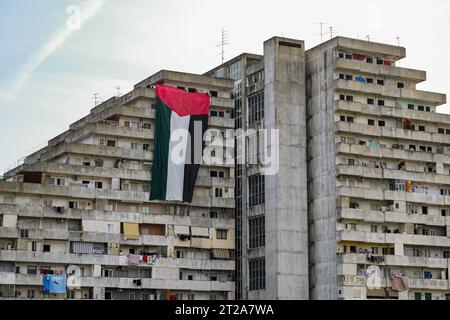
x=285, y=192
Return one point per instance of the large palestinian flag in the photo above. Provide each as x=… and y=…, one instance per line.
x=173, y=177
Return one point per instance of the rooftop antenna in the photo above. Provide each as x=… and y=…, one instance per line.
x=368, y=38
x=331, y=32
x=321, y=30
x=398, y=40
x=96, y=99
x=118, y=91
x=222, y=44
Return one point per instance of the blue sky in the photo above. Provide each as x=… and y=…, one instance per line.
x=49, y=71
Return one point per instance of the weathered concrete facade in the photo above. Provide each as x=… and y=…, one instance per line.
x=361, y=197
x=378, y=178
x=72, y=204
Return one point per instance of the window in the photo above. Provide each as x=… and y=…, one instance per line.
x=132, y=296
x=370, y=101
x=255, y=108
x=134, y=145
x=349, y=98
x=380, y=61
x=428, y=296
x=98, y=163
x=369, y=80
x=381, y=123
x=369, y=60
x=108, y=295
x=400, y=85
x=421, y=108
x=218, y=192
x=111, y=143
x=447, y=131
x=256, y=232
x=427, y=109
x=213, y=214
x=348, y=77
x=348, y=56
x=256, y=190
x=373, y=228
x=417, y=296
x=32, y=270
x=31, y=293
x=341, y=97
x=410, y=106
x=371, y=122
x=192, y=90
x=380, y=82
x=257, y=274
x=213, y=173
x=221, y=174
x=24, y=233
x=341, y=76
x=146, y=147
x=87, y=163
x=213, y=113
x=213, y=93
x=441, y=130
x=146, y=125
x=424, y=210
x=190, y=277
x=46, y=248
x=221, y=234
x=421, y=128
x=381, y=102
x=221, y=114
x=341, y=55
x=99, y=184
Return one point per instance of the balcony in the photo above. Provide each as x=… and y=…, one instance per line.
x=127, y=283
x=387, y=132
x=390, y=153
x=390, y=216
x=373, y=89
x=391, y=112
x=392, y=260
x=383, y=173
x=429, y=284
x=389, y=71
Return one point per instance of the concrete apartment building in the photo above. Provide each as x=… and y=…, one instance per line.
x=271, y=210
x=81, y=205
x=360, y=202
x=378, y=174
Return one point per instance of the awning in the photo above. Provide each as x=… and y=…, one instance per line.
x=221, y=254
x=200, y=232
x=131, y=230
x=182, y=230
x=376, y=293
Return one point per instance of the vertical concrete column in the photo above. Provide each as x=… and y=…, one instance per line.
x=286, y=247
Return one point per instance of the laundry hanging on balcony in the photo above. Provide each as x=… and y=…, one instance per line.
x=181, y=120
x=360, y=79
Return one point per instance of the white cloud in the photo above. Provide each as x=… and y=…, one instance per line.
x=87, y=12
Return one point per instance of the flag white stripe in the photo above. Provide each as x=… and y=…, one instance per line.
x=177, y=156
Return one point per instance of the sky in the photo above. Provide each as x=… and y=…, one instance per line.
x=56, y=54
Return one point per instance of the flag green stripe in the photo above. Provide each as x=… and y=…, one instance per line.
x=160, y=152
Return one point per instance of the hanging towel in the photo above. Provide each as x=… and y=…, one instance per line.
x=133, y=259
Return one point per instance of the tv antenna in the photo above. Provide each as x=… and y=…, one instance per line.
x=398, y=40
x=321, y=30
x=222, y=44
x=331, y=32
x=368, y=38
x=97, y=99
x=118, y=91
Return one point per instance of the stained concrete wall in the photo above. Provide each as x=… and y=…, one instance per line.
x=321, y=174
x=285, y=193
